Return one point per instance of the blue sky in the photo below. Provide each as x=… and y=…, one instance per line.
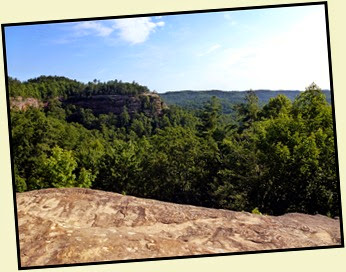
x=276, y=48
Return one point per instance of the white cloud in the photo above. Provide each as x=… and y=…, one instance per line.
x=132, y=30
x=96, y=28
x=136, y=30
x=209, y=50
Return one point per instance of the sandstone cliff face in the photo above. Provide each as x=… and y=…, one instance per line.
x=148, y=103
x=20, y=103
x=64, y=226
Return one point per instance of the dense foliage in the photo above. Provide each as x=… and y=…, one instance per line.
x=196, y=99
x=47, y=87
x=273, y=159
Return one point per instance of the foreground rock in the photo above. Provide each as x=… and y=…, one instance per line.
x=63, y=226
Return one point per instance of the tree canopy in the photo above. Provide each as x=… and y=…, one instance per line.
x=46, y=87
x=275, y=158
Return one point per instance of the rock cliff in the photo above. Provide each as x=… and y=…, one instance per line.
x=64, y=226
x=148, y=103
x=20, y=103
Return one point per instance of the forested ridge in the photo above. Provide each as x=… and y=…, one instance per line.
x=190, y=99
x=273, y=158
x=47, y=87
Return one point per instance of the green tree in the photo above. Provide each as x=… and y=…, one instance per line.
x=124, y=118
x=59, y=168
x=277, y=105
x=59, y=171
x=209, y=116
x=120, y=167
x=248, y=111
x=179, y=165
x=296, y=151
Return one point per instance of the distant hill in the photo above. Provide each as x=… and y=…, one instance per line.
x=195, y=99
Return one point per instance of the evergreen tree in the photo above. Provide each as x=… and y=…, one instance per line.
x=210, y=115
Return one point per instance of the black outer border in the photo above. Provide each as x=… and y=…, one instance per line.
x=10, y=140
x=334, y=122
x=342, y=245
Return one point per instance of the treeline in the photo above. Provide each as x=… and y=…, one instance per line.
x=48, y=87
x=195, y=99
x=277, y=158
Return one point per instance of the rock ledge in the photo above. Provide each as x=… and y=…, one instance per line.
x=64, y=226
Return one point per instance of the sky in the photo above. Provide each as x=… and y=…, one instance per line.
x=273, y=48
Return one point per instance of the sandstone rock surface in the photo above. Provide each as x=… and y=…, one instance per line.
x=64, y=226
x=148, y=103
x=22, y=104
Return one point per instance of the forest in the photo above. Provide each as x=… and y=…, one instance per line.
x=273, y=158
x=191, y=99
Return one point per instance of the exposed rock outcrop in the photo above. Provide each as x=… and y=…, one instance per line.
x=63, y=226
x=148, y=103
x=20, y=103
